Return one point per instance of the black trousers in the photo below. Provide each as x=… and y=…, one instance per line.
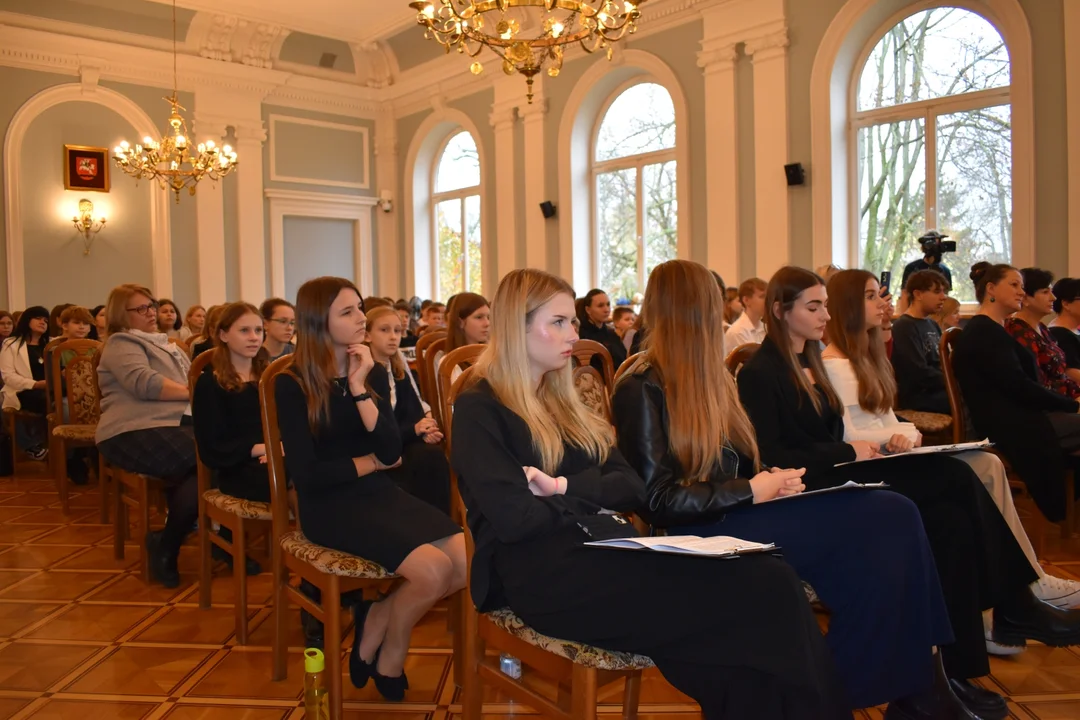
x=738, y=636
x=167, y=453
x=979, y=562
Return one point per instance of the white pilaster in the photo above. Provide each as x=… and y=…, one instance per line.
x=210, y=218
x=503, y=117
x=721, y=157
x=1072, y=107
x=386, y=226
x=535, y=178
x=250, y=137
x=772, y=215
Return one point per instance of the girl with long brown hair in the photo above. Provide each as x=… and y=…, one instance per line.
x=979, y=563
x=339, y=439
x=681, y=425
x=468, y=321
x=539, y=474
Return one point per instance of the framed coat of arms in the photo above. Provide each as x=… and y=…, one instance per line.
x=86, y=168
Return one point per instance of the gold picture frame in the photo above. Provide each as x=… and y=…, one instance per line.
x=86, y=168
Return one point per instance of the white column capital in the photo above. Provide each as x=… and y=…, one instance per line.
x=250, y=132
x=768, y=46
x=718, y=59
x=209, y=125
x=502, y=116
x=534, y=112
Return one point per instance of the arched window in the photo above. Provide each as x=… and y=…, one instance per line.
x=456, y=203
x=634, y=181
x=932, y=135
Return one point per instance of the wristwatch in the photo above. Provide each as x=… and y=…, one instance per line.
x=361, y=397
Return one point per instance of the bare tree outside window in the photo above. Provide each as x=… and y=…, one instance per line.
x=944, y=163
x=457, y=217
x=634, y=182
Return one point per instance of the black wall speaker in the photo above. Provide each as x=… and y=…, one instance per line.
x=548, y=208
x=796, y=175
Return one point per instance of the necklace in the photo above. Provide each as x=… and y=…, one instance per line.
x=342, y=385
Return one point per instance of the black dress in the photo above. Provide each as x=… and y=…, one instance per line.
x=980, y=565
x=227, y=425
x=424, y=471
x=1069, y=342
x=738, y=636
x=1000, y=383
x=606, y=337
x=369, y=516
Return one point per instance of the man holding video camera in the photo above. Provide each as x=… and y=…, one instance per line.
x=933, y=248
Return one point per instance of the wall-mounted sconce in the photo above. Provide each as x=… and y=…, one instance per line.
x=386, y=201
x=85, y=223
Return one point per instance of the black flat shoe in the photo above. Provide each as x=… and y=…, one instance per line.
x=983, y=703
x=162, y=567
x=1032, y=619
x=391, y=688
x=359, y=671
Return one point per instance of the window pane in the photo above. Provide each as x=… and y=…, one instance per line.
x=472, y=243
x=642, y=119
x=616, y=212
x=661, y=213
x=933, y=54
x=892, y=195
x=459, y=166
x=448, y=226
x=974, y=205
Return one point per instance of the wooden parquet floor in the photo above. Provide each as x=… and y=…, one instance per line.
x=82, y=637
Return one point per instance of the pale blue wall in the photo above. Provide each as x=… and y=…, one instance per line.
x=316, y=247
x=307, y=49
x=316, y=152
x=140, y=17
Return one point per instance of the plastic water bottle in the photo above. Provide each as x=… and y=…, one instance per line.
x=316, y=694
x=510, y=665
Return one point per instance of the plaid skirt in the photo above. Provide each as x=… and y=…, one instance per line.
x=163, y=452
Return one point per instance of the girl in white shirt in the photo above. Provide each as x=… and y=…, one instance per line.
x=858, y=368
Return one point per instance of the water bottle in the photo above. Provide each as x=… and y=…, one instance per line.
x=510, y=665
x=316, y=694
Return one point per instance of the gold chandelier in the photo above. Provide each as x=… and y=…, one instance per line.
x=170, y=160
x=466, y=25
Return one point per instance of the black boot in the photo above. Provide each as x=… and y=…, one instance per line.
x=1028, y=618
x=162, y=563
x=937, y=703
x=251, y=565
x=313, y=629
x=982, y=703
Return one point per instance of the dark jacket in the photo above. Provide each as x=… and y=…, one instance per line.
x=790, y=433
x=641, y=418
x=606, y=337
x=999, y=379
x=491, y=445
x=408, y=409
x=227, y=425
x=916, y=361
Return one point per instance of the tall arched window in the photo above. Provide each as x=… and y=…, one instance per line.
x=456, y=202
x=933, y=144
x=634, y=180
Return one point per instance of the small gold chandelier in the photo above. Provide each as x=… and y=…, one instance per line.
x=170, y=160
x=594, y=24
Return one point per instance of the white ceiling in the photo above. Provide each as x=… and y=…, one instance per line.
x=349, y=20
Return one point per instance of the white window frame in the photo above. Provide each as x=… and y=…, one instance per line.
x=928, y=111
x=461, y=195
x=638, y=162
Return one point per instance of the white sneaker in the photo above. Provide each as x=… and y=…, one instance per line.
x=992, y=647
x=1059, y=592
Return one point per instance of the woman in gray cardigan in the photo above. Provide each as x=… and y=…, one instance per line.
x=144, y=397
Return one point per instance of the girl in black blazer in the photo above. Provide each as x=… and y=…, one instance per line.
x=538, y=473
x=796, y=413
x=594, y=313
x=680, y=425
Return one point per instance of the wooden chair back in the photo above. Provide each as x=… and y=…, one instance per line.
x=198, y=365
x=586, y=350
x=76, y=382
x=275, y=457
x=593, y=390
x=740, y=356
x=627, y=364
x=426, y=372
x=952, y=386
x=463, y=357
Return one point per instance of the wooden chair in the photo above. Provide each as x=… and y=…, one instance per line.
x=960, y=434
x=740, y=356
x=593, y=391
x=11, y=418
x=244, y=518
x=333, y=572
x=427, y=382
x=75, y=383
x=577, y=669
x=625, y=367
x=435, y=350
x=936, y=428
x=586, y=350
x=463, y=357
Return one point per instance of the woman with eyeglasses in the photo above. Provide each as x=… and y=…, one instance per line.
x=280, y=318
x=143, y=426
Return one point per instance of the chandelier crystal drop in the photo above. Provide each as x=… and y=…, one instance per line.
x=469, y=26
x=172, y=160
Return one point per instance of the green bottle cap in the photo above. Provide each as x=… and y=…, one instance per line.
x=314, y=661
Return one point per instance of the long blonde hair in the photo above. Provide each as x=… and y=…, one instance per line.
x=684, y=311
x=864, y=349
x=553, y=412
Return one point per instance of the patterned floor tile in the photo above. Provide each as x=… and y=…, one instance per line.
x=58, y=709
x=140, y=671
x=14, y=616
x=8, y=707
x=225, y=712
x=54, y=585
x=37, y=666
x=37, y=557
x=192, y=626
x=247, y=675
x=99, y=623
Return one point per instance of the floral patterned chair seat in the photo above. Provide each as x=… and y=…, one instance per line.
x=580, y=653
x=928, y=423
x=247, y=509
x=333, y=562
x=81, y=433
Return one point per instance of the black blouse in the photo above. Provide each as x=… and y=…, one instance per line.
x=606, y=337
x=227, y=423
x=35, y=354
x=408, y=410
x=1069, y=342
x=491, y=446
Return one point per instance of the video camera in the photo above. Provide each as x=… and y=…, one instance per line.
x=932, y=244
